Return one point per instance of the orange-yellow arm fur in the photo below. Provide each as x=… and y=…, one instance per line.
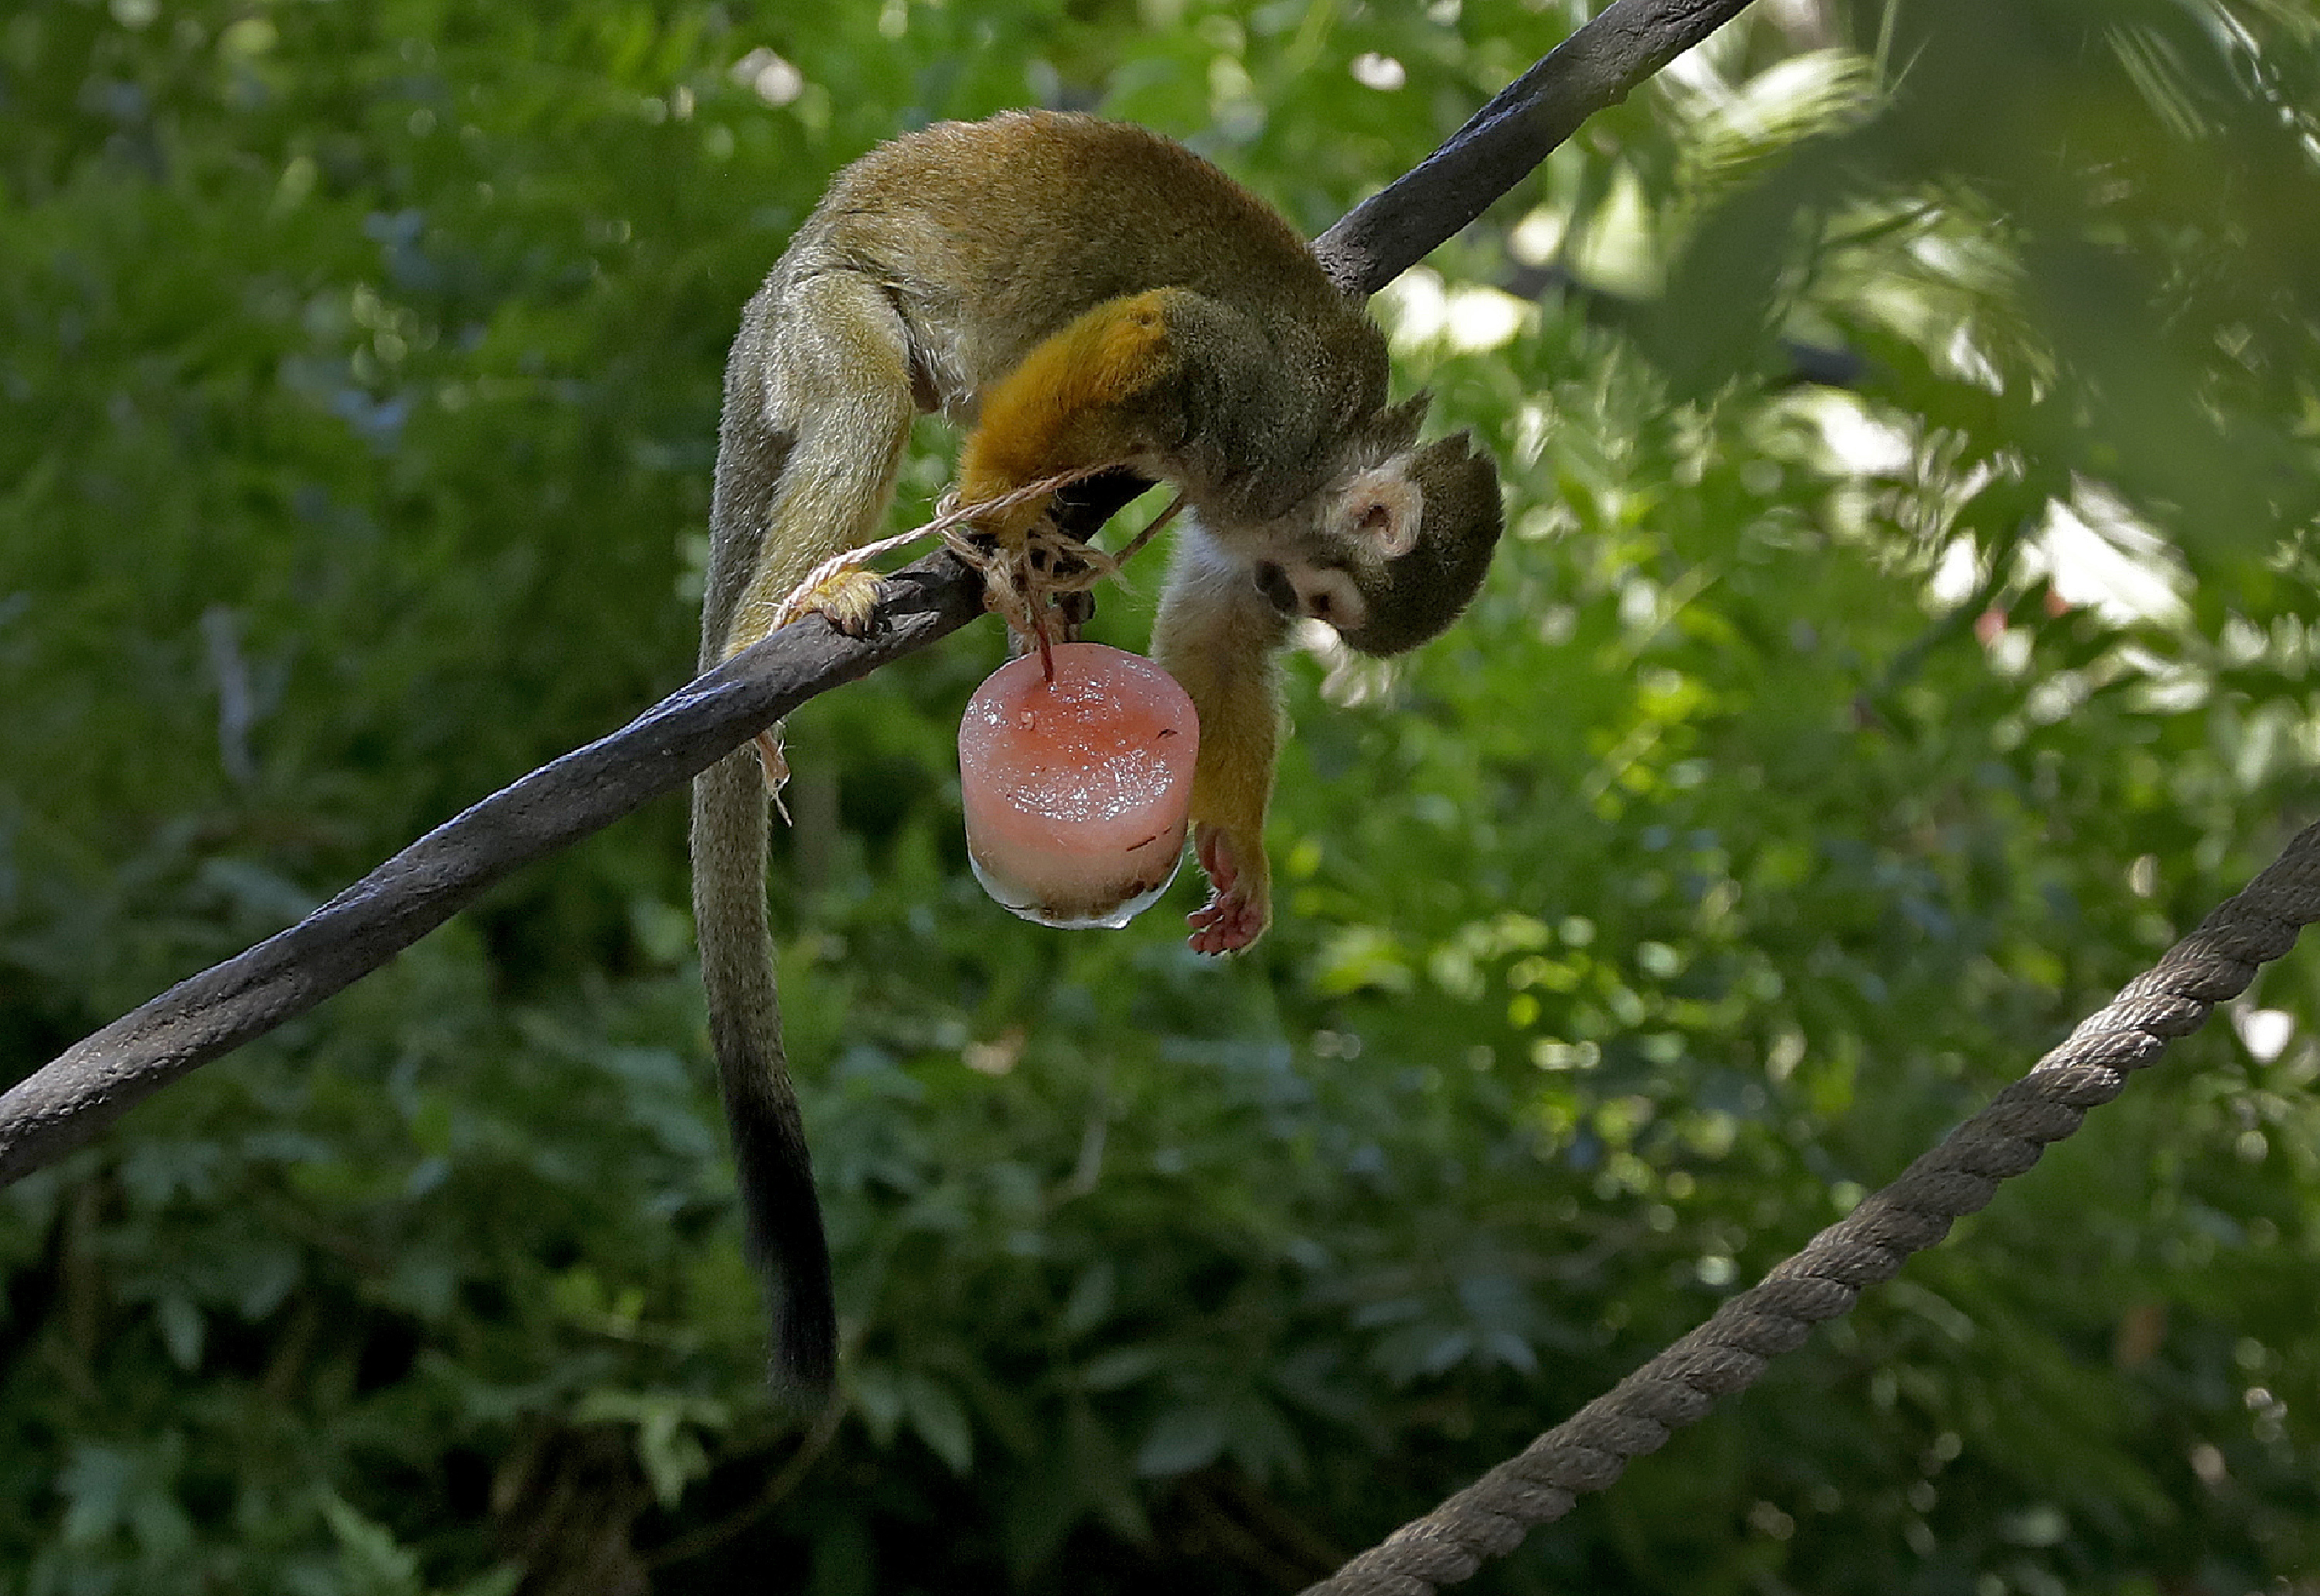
x=1089, y=395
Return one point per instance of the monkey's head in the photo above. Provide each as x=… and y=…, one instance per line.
x=1400, y=543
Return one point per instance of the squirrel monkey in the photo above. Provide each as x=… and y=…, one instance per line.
x=1081, y=292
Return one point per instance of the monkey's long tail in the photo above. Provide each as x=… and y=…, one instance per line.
x=778, y=1201
x=744, y=1022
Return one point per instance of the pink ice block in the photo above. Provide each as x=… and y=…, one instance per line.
x=1076, y=789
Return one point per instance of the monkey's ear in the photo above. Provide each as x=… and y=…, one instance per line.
x=1413, y=598
x=1380, y=511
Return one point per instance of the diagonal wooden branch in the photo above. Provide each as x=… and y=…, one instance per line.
x=93, y=1082
x=97, y=1079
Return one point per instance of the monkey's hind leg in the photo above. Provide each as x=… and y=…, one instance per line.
x=830, y=371
x=836, y=375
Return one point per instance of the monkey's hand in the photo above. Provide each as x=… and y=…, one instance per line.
x=1240, y=896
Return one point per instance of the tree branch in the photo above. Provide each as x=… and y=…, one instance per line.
x=97, y=1079
x=92, y=1083
x=1597, y=67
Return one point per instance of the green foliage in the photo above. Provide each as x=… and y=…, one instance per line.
x=1814, y=759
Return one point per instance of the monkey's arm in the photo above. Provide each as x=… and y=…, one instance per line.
x=1137, y=379
x=1217, y=635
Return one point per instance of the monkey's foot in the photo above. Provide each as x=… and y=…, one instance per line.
x=774, y=761
x=848, y=596
x=776, y=766
x=1239, y=905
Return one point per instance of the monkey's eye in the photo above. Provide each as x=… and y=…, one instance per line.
x=1334, y=597
x=1279, y=591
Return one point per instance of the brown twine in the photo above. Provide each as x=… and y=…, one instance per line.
x=1012, y=586
x=1590, y=1449
x=949, y=515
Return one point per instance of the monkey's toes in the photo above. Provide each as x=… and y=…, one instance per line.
x=1227, y=923
x=850, y=599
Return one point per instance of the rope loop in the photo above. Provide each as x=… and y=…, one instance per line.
x=1726, y=1355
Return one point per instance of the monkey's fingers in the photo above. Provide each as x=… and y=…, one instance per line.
x=1228, y=923
x=1238, y=908
x=1061, y=564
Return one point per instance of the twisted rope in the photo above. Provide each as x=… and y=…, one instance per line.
x=1590, y=1450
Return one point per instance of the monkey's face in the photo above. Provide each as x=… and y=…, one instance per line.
x=1394, y=552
